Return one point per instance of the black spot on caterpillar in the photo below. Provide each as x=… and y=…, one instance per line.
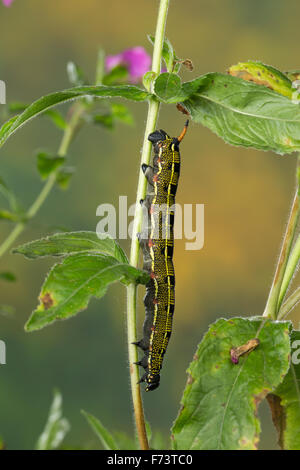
x=157, y=242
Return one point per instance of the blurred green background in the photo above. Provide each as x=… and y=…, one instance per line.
x=246, y=194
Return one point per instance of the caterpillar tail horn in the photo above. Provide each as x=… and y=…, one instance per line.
x=183, y=131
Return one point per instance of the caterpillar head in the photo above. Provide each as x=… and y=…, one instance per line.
x=162, y=139
x=158, y=139
x=152, y=382
x=157, y=136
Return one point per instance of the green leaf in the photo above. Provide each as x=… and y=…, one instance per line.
x=56, y=427
x=285, y=401
x=167, y=53
x=47, y=164
x=117, y=112
x=168, y=88
x=7, y=310
x=244, y=113
x=62, y=244
x=263, y=74
x=7, y=215
x=129, y=92
x=121, y=113
x=56, y=118
x=3, y=188
x=126, y=442
x=101, y=432
x=7, y=276
x=64, y=176
x=75, y=74
x=71, y=284
x=17, y=107
x=7, y=125
x=148, y=79
x=158, y=441
x=293, y=74
x=9, y=195
x=120, y=440
x=54, y=115
x=105, y=120
x=116, y=75
x=219, y=404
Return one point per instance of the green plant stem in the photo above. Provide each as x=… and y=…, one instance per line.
x=290, y=270
x=289, y=304
x=153, y=110
x=48, y=186
x=271, y=309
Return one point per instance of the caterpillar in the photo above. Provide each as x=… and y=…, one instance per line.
x=157, y=242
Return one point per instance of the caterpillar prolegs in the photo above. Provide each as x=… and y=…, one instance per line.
x=157, y=242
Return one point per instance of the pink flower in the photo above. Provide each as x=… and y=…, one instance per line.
x=7, y=3
x=136, y=59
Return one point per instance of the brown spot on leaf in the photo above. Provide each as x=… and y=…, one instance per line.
x=195, y=357
x=256, y=442
x=190, y=380
x=47, y=300
x=288, y=142
x=278, y=416
x=246, y=443
x=249, y=78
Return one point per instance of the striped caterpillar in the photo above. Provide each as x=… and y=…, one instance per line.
x=157, y=242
